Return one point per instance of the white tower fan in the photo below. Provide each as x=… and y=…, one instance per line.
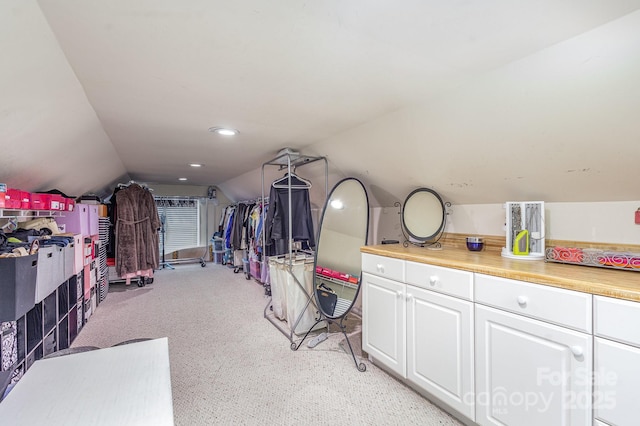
x=525, y=230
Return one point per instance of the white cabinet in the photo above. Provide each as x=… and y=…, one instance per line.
x=419, y=331
x=440, y=347
x=530, y=372
x=383, y=321
x=617, y=361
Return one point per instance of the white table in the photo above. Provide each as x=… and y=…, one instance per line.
x=121, y=385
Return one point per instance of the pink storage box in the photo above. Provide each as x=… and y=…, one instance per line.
x=70, y=204
x=76, y=221
x=78, y=250
x=94, y=219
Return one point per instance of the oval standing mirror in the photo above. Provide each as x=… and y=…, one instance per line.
x=343, y=230
x=423, y=215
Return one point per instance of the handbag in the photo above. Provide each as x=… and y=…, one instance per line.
x=327, y=298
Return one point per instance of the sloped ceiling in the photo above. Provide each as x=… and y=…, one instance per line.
x=483, y=101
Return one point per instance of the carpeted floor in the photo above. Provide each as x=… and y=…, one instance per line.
x=229, y=365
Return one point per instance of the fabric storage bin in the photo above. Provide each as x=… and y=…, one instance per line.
x=18, y=276
x=79, y=315
x=87, y=309
x=76, y=221
x=87, y=254
x=87, y=282
x=50, y=271
x=73, y=324
x=8, y=345
x=95, y=246
x=50, y=343
x=69, y=256
x=95, y=272
x=78, y=254
x=93, y=219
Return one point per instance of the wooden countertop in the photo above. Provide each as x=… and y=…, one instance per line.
x=606, y=282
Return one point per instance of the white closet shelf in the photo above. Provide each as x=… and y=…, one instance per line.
x=9, y=213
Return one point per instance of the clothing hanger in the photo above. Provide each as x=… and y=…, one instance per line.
x=296, y=182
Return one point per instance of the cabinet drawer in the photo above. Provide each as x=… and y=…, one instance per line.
x=556, y=305
x=383, y=266
x=617, y=319
x=443, y=280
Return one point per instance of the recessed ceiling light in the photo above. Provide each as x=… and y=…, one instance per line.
x=182, y=178
x=195, y=165
x=223, y=131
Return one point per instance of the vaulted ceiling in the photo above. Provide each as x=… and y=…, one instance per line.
x=482, y=100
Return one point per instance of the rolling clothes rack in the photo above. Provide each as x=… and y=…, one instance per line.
x=290, y=162
x=164, y=264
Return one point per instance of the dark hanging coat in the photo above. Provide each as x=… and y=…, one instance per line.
x=136, y=231
x=277, y=220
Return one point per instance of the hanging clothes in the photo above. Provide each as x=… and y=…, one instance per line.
x=277, y=219
x=136, y=232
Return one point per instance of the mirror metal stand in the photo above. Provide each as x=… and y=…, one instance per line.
x=361, y=366
x=423, y=216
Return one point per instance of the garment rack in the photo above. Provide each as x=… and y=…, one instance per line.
x=164, y=264
x=290, y=163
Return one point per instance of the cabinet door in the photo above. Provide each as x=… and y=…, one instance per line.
x=440, y=347
x=616, y=382
x=529, y=372
x=383, y=321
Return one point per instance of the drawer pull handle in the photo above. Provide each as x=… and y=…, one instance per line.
x=577, y=351
x=433, y=279
x=409, y=296
x=522, y=301
x=399, y=293
x=380, y=268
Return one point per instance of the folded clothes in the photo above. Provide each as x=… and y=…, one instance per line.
x=60, y=241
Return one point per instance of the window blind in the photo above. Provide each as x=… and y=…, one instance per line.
x=181, y=221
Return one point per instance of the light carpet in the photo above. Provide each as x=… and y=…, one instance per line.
x=230, y=366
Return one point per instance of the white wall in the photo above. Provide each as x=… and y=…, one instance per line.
x=50, y=135
x=560, y=125
x=600, y=222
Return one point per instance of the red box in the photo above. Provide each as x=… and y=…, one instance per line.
x=70, y=203
x=3, y=199
x=45, y=201
x=25, y=200
x=13, y=199
x=57, y=202
x=40, y=201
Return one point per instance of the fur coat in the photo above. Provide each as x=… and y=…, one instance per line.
x=136, y=231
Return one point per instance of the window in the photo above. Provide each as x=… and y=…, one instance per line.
x=180, y=217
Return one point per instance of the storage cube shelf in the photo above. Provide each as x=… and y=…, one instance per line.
x=46, y=298
x=51, y=325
